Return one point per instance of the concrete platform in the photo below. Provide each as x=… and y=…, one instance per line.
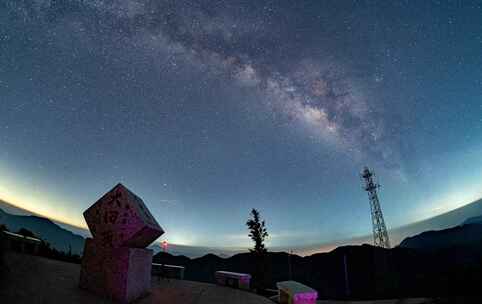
x=391, y=301
x=188, y=292
x=30, y=280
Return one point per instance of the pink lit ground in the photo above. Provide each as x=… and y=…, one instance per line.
x=33, y=280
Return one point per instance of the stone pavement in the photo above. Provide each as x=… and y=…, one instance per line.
x=188, y=292
x=35, y=280
x=32, y=280
x=392, y=301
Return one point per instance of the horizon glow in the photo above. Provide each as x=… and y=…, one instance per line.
x=206, y=110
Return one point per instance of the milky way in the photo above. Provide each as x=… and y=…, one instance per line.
x=320, y=93
x=232, y=42
x=208, y=108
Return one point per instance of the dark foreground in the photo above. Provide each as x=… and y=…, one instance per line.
x=32, y=280
x=358, y=272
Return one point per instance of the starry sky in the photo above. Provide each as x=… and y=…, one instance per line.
x=206, y=109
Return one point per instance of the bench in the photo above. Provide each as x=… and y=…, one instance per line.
x=233, y=279
x=168, y=271
x=20, y=243
x=292, y=292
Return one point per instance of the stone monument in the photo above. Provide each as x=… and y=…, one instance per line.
x=115, y=262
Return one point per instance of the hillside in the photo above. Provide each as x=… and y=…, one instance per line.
x=14, y=210
x=452, y=263
x=371, y=272
x=442, y=221
x=474, y=220
x=58, y=237
x=452, y=218
x=466, y=234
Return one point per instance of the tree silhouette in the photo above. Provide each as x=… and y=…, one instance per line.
x=257, y=232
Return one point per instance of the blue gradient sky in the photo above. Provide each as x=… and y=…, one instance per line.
x=207, y=109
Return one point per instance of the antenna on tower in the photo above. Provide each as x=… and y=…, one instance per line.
x=380, y=234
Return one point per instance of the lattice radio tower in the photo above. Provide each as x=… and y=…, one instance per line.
x=380, y=234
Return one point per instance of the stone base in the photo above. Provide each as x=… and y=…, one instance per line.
x=122, y=274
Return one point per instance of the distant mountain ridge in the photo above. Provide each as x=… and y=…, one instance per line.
x=354, y=272
x=58, y=237
x=15, y=210
x=471, y=213
x=467, y=234
x=473, y=220
x=439, y=222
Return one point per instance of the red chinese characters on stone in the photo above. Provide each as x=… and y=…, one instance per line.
x=124, y=216
x=115, y=263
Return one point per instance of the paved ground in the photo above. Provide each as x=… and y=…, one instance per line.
x=33, y=280
x=393, y=301
x=200, y=293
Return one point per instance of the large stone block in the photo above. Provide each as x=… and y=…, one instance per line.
x=121, y=219
x=122, y=274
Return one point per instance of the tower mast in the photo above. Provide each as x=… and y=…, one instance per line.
x=380, y=234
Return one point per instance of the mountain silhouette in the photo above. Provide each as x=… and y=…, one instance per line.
x=466, y=234
x=355, y=272
x=473, y=220
x=432, y=263
x=58, y=237
x=428, y=264
x=443, y=221
x=469, y=212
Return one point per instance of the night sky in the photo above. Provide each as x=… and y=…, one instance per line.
x=206, y=109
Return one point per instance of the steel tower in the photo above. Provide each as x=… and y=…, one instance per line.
x=380, y=234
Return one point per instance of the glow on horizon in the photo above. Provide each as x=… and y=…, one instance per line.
x=448, y=203
x=35, y=203
x=22, y=196
x=40, y=211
